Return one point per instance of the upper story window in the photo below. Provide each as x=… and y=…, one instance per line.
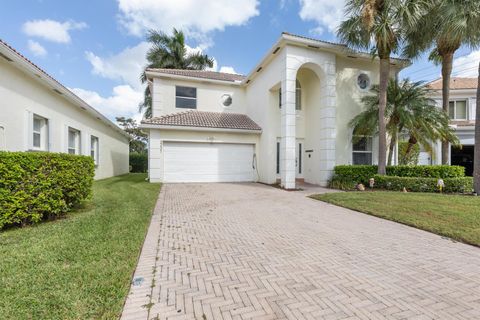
x=39, y=133
x=280, y=98
x=458, y=110
x=298, y=96
x=362, y=151
x=186, y=97
x=363, y=81
x=74, y=144
x=94, y=148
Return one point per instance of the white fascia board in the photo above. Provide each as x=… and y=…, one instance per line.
x=154, y=74
x=186, y=128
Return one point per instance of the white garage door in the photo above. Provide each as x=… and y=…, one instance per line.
x=208, y=162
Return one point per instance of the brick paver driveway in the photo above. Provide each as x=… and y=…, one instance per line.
x=248, y=251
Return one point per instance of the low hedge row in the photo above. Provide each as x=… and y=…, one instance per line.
x=36, y=186
x=138, y=162
x=362, y=173
x=416, y=184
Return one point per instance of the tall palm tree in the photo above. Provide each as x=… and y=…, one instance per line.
x=448, y=25
x=380, y=26
x=476, y=159
x=170, y=52
x=408, y=111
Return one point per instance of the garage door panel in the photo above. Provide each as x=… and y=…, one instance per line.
x=208, y=162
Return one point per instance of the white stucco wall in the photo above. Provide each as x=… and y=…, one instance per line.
x=158, y=137
x=22, y=96
x=208, y=96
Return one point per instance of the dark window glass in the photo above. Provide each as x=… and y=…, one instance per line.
x=364, y=144
x=186, y=98
x=280, y=98
x=362, y=158
x=187, y=92
x=278, y=157
x=300, y=158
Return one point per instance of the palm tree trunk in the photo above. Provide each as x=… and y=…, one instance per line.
x=447, y=62
x=382, y=131
x=476, y=159
x=393, y=142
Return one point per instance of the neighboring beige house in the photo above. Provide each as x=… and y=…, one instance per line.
x=463, y=101
x=286, y=121
x=40, y=114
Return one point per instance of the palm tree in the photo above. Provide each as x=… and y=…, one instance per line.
x=448, y=25
x=379, y=26
x=408, y=111
x=476, y=159
x=170, y=52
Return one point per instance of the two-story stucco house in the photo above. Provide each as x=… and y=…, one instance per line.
x=463, y=103
x=285, y=121
x=37, y=113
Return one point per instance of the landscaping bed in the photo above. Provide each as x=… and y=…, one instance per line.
x=78, y=267
x=454, y=216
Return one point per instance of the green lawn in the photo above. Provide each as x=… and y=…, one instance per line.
x=454, y=216
x=78, y=267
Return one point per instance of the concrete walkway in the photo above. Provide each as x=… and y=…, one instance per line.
x=249, y=251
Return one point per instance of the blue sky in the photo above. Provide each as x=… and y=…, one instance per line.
x=97, y=48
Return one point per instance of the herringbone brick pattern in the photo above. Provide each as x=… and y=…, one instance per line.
x=248, y=251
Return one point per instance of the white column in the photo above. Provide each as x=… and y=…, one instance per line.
x=288, y=118
x=327, y=123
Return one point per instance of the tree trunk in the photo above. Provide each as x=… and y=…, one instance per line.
x=393, y=142
x=382, y=131
x=476, y=158
x=447, y=61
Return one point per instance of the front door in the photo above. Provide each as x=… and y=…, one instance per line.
x=299, y=167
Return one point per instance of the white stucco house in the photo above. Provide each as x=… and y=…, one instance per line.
x=286, y=121
x=37, y=113
x=463, y=103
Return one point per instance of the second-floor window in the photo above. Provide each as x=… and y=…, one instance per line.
x=73, y=141
x=186, y=97
x=458, y=110
x=39, y=133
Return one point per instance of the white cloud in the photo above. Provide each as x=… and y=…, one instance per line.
x=52, y=30
x=227, y=69
x=196, y=18
x=125, y=66
x=36, y=48
x=467, y=66
x=326, y=13
x=122, y=103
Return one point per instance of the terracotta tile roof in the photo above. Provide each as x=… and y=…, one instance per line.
x=456, y=83
x=203, y=119
x=203, y=74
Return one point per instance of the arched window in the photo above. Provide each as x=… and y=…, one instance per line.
x=298, y=96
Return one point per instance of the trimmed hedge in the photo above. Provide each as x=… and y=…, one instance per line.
x=362, y=173
x=40, y=185
x=416, y=184
x=138, y=162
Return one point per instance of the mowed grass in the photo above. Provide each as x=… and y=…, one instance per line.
x=79, y=267
x=454, y=216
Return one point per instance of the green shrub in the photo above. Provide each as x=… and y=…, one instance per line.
x=416, y=184
x=35, y=186
x=412, y=157
x=138, y=162
x=362, y=173
x=341, y=183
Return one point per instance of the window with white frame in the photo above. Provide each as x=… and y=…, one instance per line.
x=458, y=110
x=94, y=148
x=39, y=133
x=362, y=150
x=74, y=146
x=298, y=96
x=185, y=97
